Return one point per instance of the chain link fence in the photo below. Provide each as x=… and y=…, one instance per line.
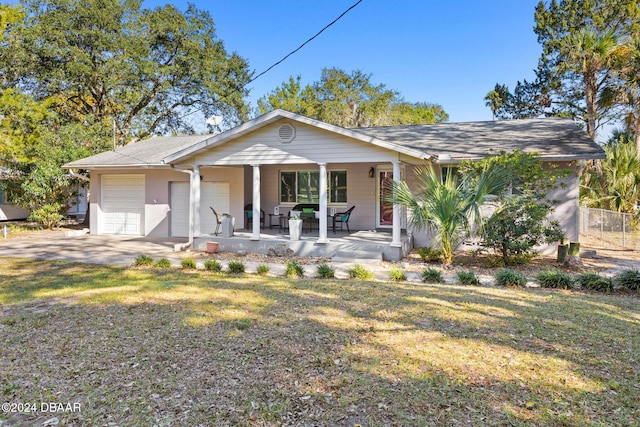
x=615, y=228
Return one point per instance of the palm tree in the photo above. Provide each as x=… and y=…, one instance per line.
x=497, y=98
x=591, y=55
x=450, y=207
x=617, y=186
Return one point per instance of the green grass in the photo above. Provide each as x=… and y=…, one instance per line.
x=138, y=346
x=293, y=270
x=431, y=275
x=325, y=271
x=358, y=271
x=467, y=277
x=213, y=265
x=509, y=277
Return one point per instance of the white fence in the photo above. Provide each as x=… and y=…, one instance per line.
x=615, y=228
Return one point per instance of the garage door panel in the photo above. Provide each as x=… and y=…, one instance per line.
x=212, y=194
x=123, y=204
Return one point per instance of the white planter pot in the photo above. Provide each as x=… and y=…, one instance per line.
x=295, y=229
x=227, y=225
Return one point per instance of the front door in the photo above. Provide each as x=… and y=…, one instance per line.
x=384, y=209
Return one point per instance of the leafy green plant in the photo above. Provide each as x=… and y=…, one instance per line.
x=263, y=269
x=236, y=267
x=509, y=277
x=554, y=279
x=467, y=277
x=325, y=271
x=432, y=275
x=188, y=263
x=628, y=279
x=163, y=263
x=213, y=265
x=293, y=270
x=593, y=282
x=430, y=254
x=359, y=272
x=143, y=261
x=47, y=215
x=397, y=275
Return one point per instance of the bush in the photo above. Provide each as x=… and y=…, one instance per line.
x=432, y=275
x=236, y=267
x=293, y=270
x=628, y=279
x=554, y=279
x=397, y=275
x=430, y=254
x=188, y=263
x=359, y=272
x=263, y=269
x=509, y=277
x=325, y=271
x=593, y=282
x=48, y=215
x=213, y=265
x=163, y=263
x=143, y=261
x=467, y=278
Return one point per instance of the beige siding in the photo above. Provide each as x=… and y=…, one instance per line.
x=311, y=145
x=157, y=195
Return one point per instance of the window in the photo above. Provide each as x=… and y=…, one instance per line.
x=2, y=197
x=446, y=170
x=304, y=187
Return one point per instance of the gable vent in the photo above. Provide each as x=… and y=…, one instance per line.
x=286, y=133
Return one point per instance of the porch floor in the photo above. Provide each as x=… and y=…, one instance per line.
x=357, y=245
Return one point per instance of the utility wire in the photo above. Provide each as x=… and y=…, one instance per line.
x=302, y=45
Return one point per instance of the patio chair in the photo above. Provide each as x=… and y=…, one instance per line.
x=248, y=217
x=342, y=218
x=218, y=220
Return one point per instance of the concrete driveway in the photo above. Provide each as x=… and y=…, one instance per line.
x=86, y=248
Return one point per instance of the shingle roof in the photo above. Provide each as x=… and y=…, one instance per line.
x=149, y=152
x=552, y=138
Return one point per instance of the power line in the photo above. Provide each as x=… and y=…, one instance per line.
x=302, y=45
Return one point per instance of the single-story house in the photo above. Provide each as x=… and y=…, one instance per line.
x=77, y=205
x=165, y=186
x=7, y=210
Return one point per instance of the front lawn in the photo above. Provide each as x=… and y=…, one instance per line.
x=167, y=347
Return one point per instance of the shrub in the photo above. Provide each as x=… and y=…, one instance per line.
x=236, y=267
x=554, y=279
x=359, y=272
x=188, y=263
x=213, y=265
x=293, y=270
x=467, y=278
x=325, y=271
x=143, y=261
x=429, y=254
x=397, y=275
x=163, y=263
x=48, y=215
x=432, y=275
x=509, y=277
x=263, y=269
x=593, y=282
x=628, y=279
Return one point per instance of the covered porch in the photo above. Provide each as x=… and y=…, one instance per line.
x=369, y=244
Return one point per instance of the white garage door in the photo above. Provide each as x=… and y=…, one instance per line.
x=122, y=205
x=214, y=194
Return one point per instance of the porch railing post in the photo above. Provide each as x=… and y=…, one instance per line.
x=255, y=235
x=395, y=235
x=322, y=220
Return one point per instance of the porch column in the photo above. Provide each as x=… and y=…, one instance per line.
x=322, y=221
x=256, y=203
x=195, y=188
x=395, y=235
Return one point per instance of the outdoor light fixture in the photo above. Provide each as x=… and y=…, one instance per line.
x=372, y=172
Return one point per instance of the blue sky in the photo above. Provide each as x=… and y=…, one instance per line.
x=446, y=52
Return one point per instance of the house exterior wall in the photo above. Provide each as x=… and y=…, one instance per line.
x=157, y=215
x=566, y=211
x=360, y=192
x=9, y=212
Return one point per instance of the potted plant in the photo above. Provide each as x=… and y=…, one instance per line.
x=295, y=228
